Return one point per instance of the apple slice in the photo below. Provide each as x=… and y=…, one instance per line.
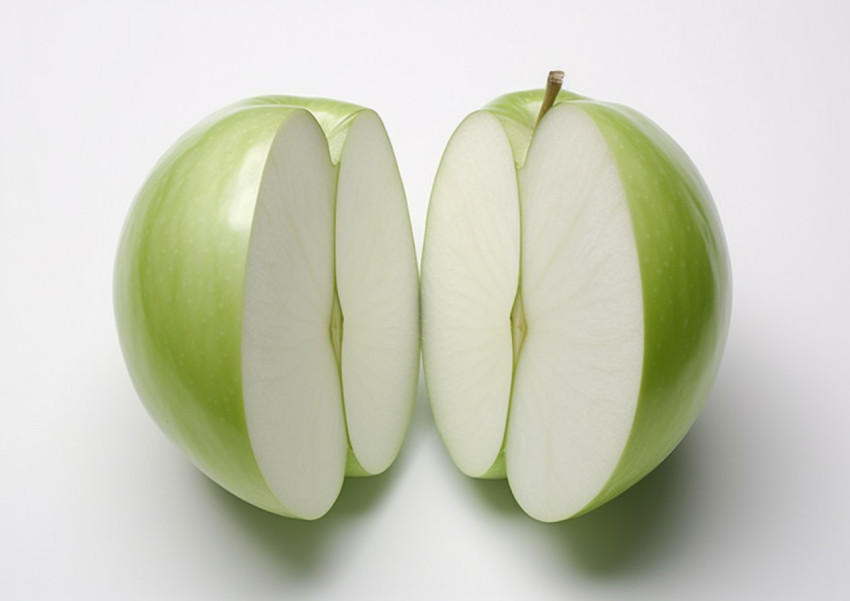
x=575, y=298
x=266, y=296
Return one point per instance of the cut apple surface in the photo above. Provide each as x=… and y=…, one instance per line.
x=266, y=296
x=574, y=298
x=472, y=269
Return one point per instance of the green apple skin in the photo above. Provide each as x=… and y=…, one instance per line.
x=684, y=267
x=179, y=277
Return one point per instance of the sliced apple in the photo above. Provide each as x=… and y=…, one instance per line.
x=575, y=299
x=266, y=295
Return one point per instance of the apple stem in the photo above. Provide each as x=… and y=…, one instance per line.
x=553, y=87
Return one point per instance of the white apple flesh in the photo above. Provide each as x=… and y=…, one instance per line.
x=575, y=299
x=266, y=296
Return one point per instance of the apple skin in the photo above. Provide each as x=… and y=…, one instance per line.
x=684, y=269
x=687, y=287
x=178, y=282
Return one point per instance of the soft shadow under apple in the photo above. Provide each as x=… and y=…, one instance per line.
x=300, y=548
x=620, y=535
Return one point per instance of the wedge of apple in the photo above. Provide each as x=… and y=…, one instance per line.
x=266, y=297
x=575, y=298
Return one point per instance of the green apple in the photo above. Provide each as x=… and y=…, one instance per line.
x=575, y=298
x=266, y=298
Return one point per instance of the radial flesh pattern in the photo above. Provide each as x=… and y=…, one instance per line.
x=267, y=301
x=555, y=258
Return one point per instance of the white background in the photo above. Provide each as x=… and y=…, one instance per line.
x=96, y=503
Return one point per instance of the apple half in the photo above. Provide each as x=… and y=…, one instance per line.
x=266, y=298
x=575, y=294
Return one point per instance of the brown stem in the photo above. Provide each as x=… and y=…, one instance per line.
x=553, y=87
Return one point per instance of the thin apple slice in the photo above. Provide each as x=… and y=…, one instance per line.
x=579, y=372
x=378, y=285
x=290, y=380
x=470, y=267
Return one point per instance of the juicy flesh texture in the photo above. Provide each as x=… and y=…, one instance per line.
x=564, y=293
x=330, y=316
x=470, y=271
x=378, y=287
